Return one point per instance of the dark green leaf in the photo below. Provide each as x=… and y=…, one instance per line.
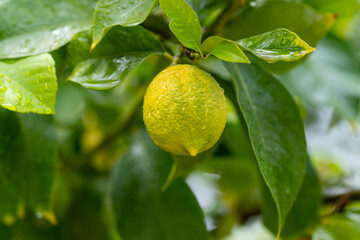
x=27, y=159
x=309, y=25
x=106, y=66
x=276, y=131
x=280, y=44
x=31, y=27
x=224, y=49
x=208, y=10
x=142, y=210
x=28, y=84
x=119, y=12
x=184, y=22
x=305, y=211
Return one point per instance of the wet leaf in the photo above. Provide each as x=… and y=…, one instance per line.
x=224, y=49
x=119, y=12
x=106, y=66
x=31, y=27
x=28, y=84
x=184, y=23
x=276, y=131
x=277, y=45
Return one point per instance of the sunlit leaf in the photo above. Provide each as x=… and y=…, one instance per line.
x=28, y=84
x=224, y=49
x=184, y=22
x=277, y=45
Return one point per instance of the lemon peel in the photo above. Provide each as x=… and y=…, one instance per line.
x=185, y=110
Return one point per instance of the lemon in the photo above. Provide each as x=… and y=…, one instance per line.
x=184, y=110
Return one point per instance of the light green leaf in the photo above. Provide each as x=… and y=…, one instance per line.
x=27, y=159
x=276, y=131
x=142, y=210
x=305, y=211
x=31, y=27
x=28, y=84
x=280, y=44
x=119, y=12
x=224, y=49
x=120, y=51
x=184, y=23
x=308, y=24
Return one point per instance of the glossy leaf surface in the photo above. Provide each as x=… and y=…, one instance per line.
x=276, y=131
x=108, y=64
x=277, y=45
x=28, y=84
x=31, y=27
x=119, y=12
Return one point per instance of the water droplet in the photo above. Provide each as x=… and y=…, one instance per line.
x=39, y=215
x=9, y=106
x=131, y=1
x=48, y=111
x=252, y=4
x=46, y=86
x=3, y=88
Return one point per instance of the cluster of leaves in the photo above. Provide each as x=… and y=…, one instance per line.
x=118, y=46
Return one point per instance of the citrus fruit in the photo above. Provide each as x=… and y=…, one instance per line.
x=184, y=110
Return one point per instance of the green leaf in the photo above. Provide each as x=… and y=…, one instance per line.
x=208, y=10
x=142, y=210
x=309, y=25
x=224, y=49
x=31, y=27
x=28, y=84
x=276, y=131
x=305, y=211
x=119, y=12
x=280, y=44
x=106, y=66
x=184, y=23
x=27, y=159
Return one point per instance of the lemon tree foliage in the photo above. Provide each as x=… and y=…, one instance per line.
x=278, y=140
x=29, y=84
x=119, y=12
x=108, y=64
x=172, y=120
x=32, y=27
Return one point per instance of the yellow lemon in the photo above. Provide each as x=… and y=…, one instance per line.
x=184, y=110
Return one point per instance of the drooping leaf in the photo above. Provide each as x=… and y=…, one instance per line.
x=31, y=27
x=184, y=23
x=119, y=12
x=276, y=131
x=27, y=159
x=308, y=24
x=142, y=210
x=278, y=45
x=224, y=49
x=305, y=210
x=106, y=66
x=28, y=84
